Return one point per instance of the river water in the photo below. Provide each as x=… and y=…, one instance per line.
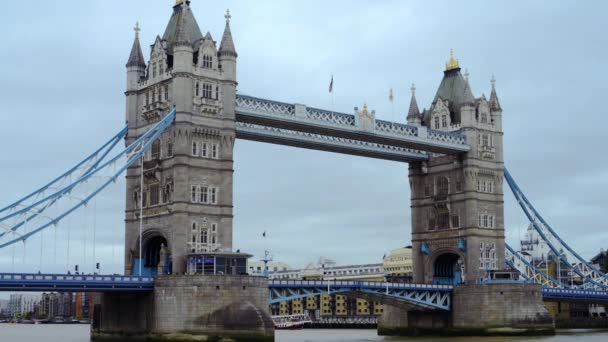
x=80, y=333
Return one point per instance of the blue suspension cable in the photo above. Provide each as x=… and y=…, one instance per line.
x=521, y=199
x=110, y=146
x=153, y=134
x=114, y=139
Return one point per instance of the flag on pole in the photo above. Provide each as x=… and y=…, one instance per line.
x=331, y=84
x=390, y=95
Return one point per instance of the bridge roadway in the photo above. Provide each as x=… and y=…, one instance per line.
x=297, y=125
x=420, y=296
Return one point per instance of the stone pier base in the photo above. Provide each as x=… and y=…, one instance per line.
x=477, y=310
x=188, y=308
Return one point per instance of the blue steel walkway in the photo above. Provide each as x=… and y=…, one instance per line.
x=422, y=295
x=73, y=283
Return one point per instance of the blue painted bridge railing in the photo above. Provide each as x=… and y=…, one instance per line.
x=73, y=283
x=429, y=297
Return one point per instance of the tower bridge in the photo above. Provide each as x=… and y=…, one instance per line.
x=184, y=115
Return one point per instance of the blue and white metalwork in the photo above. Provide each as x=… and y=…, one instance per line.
x=77, y=283
x=37, y=209
x=592, y=277
x=428, y=297
x=528, y=271
x=326, y=143
x=565, y=295
x=322, y=124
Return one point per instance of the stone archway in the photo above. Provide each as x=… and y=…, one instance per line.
x=155, y=256
x=448, y=269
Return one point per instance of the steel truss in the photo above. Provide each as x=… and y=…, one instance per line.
x=428, y=297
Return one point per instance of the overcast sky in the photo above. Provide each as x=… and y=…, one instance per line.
x=63, y=77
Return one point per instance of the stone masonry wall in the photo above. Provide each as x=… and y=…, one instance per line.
x=212, y=304
x=494, y=308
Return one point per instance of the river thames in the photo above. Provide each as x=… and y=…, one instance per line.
x=80, y=333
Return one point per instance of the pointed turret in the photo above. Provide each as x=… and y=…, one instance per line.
x=494, y=103
x=136, y=58
x=183, y=34
x=413, y=114
x=182, y=27
x=468, y=98
x=454, y=89
x=227, y=45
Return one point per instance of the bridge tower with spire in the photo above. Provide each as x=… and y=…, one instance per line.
x=457, y=200
x=183, y=202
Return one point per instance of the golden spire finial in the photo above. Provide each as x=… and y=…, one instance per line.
x=178, y=2
x=452, y=63
x=364, y=107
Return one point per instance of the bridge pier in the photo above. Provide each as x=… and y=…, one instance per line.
x=188, y=308
x=477, y=310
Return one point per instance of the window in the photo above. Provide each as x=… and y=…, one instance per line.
x=153, y=94
x=147, y=98
x=213, y=195
x=431, y=216
x=167, y=193
x=169, y=145
x=427, y=190
x=154, y=194
x=443, y=217
x=444, y=121
x=161, y=68
x=144, y=198
x=487, y=256
x=167, y=93
x=207, y=91
x=490, y=187
x=154, y=70
x=203, y=194
x=485, y=140
x=436, y=122
x=197, y=89
x=193, y=194
x=207, y=61
x=204, y=150
x=442, y=186
x=486, y=221
x=484, y=118
x=214, y=227
x=194, y=149
x=458, y=185
x=204, y=236
x=136, y=199
x=214, y=151
x=455, y=221
x=155, y=149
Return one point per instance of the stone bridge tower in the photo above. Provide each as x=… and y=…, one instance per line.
x=457, y=201
x=187, y=173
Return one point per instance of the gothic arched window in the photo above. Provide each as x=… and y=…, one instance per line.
x=443, y=186
x=207, y=62
x=156, y=149
x=444, y=121
x=443, y=217
x=197, y=89
x=436, y=122
x=484, y=118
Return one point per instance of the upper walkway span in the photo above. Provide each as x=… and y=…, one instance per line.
x=297, y=125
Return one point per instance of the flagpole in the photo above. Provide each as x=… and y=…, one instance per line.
x=331, y=93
